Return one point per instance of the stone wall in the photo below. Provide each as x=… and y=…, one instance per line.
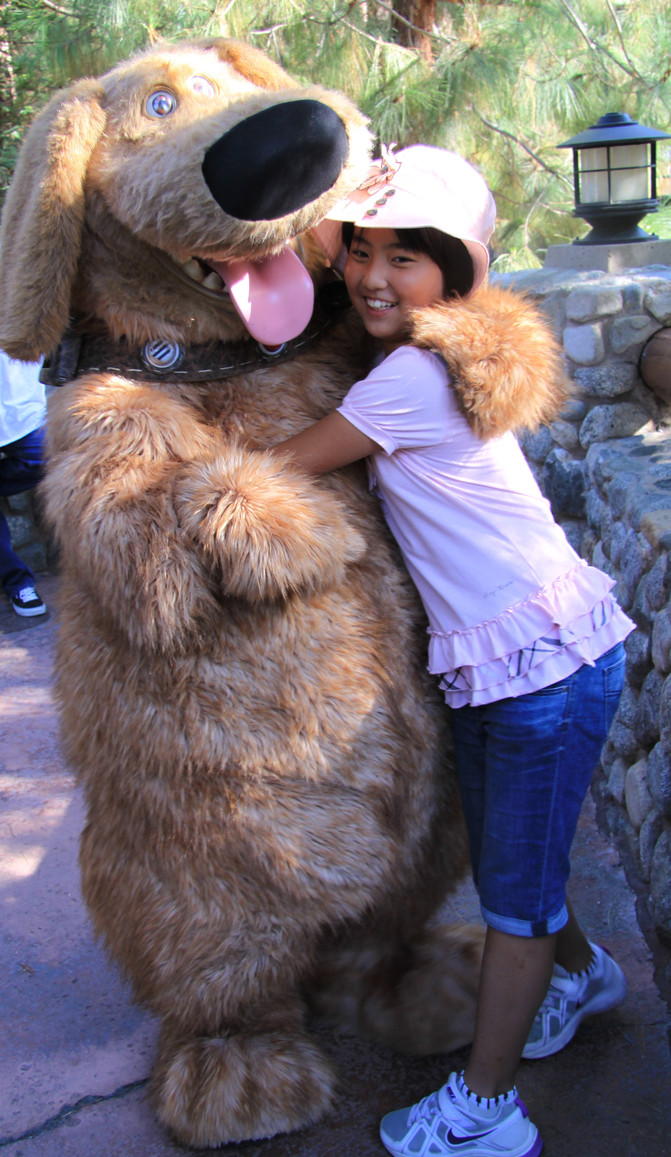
x=606, y=468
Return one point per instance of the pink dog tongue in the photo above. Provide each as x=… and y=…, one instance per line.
x=274, y=297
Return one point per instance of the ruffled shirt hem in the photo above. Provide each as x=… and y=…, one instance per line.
x=572, y=621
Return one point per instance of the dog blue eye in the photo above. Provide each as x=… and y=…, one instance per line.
x=161, y=103
x=202, y=86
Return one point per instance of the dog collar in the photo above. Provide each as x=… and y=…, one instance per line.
x=165, y=360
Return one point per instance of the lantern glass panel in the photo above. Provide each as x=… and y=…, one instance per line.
x=593, y=175
x=629, y=179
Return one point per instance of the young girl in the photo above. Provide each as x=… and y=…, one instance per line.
x=525, y=637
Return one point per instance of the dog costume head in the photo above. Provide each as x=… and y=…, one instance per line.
x=207, y=154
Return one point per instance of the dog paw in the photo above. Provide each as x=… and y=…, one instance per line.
x=212, y=1091
x=419, y=998
x=268, y=528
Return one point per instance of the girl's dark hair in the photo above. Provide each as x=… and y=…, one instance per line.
x=449, y=253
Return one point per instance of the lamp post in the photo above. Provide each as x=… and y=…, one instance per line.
x=614, y=178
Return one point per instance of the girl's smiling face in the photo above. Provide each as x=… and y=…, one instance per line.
x=386, y=281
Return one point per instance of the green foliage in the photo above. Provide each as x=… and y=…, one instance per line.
x=505, y=83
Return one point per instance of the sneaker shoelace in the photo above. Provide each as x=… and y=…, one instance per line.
x=424, y=1109
x=559, y=995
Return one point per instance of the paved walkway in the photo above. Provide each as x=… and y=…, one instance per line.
x=75, y=1053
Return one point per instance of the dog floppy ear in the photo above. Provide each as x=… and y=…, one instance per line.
x=42, y=221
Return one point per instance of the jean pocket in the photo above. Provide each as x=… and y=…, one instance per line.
x=552, y=691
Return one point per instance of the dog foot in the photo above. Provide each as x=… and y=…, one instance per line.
x=210, y=1091
x=419, y=998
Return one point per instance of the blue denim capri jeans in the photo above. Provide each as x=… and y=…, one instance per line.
x=524, y=767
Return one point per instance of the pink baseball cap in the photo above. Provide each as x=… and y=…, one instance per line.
x=425, y=185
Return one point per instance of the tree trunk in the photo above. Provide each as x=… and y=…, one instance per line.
x=412, y=24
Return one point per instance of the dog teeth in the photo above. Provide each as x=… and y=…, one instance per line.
x=213, y=281
x=194, y=269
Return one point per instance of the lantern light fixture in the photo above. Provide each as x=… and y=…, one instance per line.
x=614, y=178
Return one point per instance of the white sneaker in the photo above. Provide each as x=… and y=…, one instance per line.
x=454, y=1120
x=27, y=603
x=571, y=997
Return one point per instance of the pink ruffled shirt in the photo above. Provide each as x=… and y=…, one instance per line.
x=511, y=606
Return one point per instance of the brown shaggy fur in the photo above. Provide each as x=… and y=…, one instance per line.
x=272, y=816
x=505, y=363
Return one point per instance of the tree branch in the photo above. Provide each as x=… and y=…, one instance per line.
x=504, y=133
x=599, y=48
x=61, y=11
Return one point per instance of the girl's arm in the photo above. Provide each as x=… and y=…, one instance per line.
x=330, y=443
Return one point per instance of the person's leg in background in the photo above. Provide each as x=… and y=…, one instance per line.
x=21, y=468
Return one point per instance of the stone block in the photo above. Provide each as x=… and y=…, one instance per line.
x=564, y=484
x=659, y=779
x=574, y=529
x=588, y=542
x=536, y=444
x=656, y=526
x=632, y=297
x=592, y=301
x=644, y=501
x=660, y=885
x=584, y=344
x=565, y=435
x=624, y=740
x=607, y=381
x=658, y=303
x=633, y=564
x=596, y=510
x=646, y=724
x=574, y=410
x=637, y=798
x=618, y=492
x=639, y=660
x=617, y=421
x=552, y=308
x=616, y=775
x=602, y=561
x=618, y=538
x=652, y=593
x=651, y=829
x=629, y=334
x=661, y=641
x=665, y=715
x=626, y=709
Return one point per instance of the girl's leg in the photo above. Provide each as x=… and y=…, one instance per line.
x=515, y=975
x=527, y=765
x=573, y=949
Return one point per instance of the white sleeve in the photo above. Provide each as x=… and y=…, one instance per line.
x=404, y=403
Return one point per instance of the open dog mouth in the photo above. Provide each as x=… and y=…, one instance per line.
x=199, y=271
x=274, y=296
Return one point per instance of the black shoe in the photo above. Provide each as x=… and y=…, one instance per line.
x=27, y=603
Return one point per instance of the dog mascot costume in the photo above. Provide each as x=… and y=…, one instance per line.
x=272, y=815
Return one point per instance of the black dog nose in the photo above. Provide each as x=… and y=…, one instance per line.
x=277, y=160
